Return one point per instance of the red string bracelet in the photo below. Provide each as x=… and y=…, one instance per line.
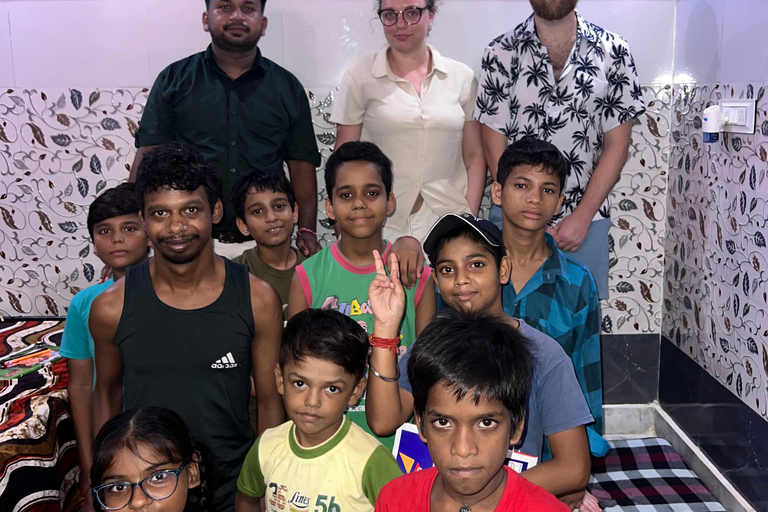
x=387, y=343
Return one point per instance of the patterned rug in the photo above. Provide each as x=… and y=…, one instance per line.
x=38, y=455
x=645, y=475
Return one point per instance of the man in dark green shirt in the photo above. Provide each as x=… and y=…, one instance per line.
x=241, y=110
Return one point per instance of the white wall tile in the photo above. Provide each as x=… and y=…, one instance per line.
x=744, y=52
x=463, y=28
x=647, y=25
x=174, y=30
x=321, y=38
x=698, y=35
x=79, y=43
x=7, y=78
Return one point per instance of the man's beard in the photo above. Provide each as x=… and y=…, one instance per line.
x=243, y=45
x=553, y=10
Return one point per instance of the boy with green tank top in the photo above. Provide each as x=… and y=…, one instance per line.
x=358, y=178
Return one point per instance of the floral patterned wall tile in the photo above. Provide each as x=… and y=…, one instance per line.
x=717, y=232
x=70, y=144
x=60, y=148
x=638, y=227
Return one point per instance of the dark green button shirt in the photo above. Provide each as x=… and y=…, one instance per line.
x=259, y=120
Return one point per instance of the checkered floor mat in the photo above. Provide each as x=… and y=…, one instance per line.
x=644, y=475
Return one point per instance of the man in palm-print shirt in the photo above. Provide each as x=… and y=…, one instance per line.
x=559, y=78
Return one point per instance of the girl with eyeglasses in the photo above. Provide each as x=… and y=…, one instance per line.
x=417, y=106
x=146, y=459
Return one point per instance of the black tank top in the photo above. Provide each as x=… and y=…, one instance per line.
x=195, y=362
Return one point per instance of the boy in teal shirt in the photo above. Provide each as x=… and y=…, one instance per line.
x=358, y=178
x=119, y=240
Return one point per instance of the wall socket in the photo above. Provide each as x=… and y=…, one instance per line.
x=741, y=115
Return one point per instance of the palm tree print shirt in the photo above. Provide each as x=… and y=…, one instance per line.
x=597, y=91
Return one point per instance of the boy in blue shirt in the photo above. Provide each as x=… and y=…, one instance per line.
x=470, y=266
x=119, y=240
x=547, y=289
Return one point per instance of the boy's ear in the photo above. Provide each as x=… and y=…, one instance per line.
x=418, y=420
x=505, y=270
x=357, y=392
x=391, y=204
x=279, y=380
x=517, y=433
x=193, y=469
x=496, y=193
x=295, y=213
x=329, y=209
x=218, y=212
x=560, y=202
x=243, y=227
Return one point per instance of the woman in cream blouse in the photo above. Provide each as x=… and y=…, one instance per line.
x=417, y=106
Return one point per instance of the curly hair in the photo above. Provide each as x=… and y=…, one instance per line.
x=177, y=166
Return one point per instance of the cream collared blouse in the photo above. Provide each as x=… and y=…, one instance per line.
x=422, y=135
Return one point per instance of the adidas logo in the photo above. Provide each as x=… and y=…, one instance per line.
x=225, y=362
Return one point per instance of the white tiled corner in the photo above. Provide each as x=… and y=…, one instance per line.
x=79, y=43
x=699, y=28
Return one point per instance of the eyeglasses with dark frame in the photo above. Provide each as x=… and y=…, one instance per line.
x=158, y=486
x=411, y=15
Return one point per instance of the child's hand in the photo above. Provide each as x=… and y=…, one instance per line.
x=386, y=295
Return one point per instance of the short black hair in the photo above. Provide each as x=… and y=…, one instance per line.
x=328, y=335
x=356, y=151
x=479, y=355
x=113, y=202
x=263, y=4
x=178, y=166
x=472, y=235
x=536, y=153
x=260, y=181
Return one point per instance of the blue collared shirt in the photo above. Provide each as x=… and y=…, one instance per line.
x=560, y=300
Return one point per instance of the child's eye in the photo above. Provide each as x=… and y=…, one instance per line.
x=103, y=231
x=333, y=389
x=279, y=206
x=299, y=384
x=487, y=423
x=117, y=488
x=441, y=423
x=476, y=264
x=345, y=195
x=130, y=229
x=158, y=477
x=256, y=211
x=446, y=270
x=519, y=185
x=549, y=191
x=372, y=193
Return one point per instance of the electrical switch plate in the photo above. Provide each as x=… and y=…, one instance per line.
x=741, y=115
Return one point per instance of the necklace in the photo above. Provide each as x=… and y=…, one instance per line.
x=466, y=507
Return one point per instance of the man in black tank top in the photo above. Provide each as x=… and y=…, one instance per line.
x=186, y=328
